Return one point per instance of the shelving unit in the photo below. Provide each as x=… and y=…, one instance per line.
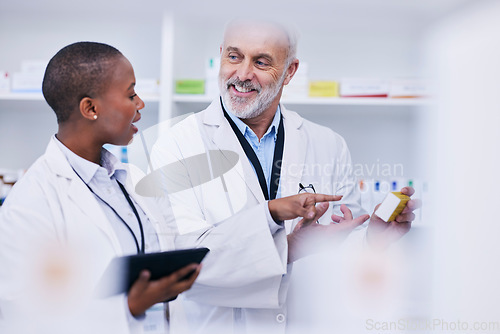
x=327, y=101
x=29, y=32
x=332, y=101
x=39, y=97
x=180, y=41
x=377, y=130
x=21, y=96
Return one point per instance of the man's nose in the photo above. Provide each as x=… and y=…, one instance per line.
x=245, y=71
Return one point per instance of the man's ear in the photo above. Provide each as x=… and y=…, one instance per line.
x=291, y=70
x=88, y=108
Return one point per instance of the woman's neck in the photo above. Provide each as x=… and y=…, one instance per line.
x=81, y=145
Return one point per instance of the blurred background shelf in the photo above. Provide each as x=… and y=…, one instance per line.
x=39, y=97
x=185, y=98
x=170, y=42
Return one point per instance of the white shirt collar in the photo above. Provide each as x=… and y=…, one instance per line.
x=244, y=128
x=87, y=169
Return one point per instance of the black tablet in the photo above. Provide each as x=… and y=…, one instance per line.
x=123, y=271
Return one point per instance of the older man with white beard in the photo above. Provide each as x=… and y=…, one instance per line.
x=242, y=159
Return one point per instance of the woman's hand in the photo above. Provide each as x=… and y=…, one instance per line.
x=145, y=293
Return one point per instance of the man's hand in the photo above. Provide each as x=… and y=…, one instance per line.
x=301, y=205
x=308, y=237
x=145, y=293
x=381, y=234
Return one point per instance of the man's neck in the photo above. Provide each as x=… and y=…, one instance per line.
x=261, y=123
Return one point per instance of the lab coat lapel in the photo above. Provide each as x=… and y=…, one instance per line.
x=224, y=138
x=88, y=204
x=294, y=153
x=79, y=194
x=165, y=237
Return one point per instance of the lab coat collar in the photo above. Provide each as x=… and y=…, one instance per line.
x=87, y=169
x=55, y=157
x=213, y=115
x=294, y=154
x=78, y=192
x=245, y=129
x=224, y=138
x=86, y=201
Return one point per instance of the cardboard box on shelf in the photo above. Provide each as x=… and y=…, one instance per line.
x=323, y=89
x=190, y=86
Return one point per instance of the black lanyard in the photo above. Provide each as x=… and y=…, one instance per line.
x=140, y=250
x=250, y=153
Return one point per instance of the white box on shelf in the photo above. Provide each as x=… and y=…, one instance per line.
x=147, y=86
x=296, y=90
x=27, y=82
x=298, y=87
x=4, y=82
x=34, y=66
x=212, y=66
x=354, y=87
x=408, y=88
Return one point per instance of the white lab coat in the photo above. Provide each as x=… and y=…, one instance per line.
x=244, y=281
x=49, y=206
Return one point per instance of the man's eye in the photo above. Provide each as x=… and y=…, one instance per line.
x=261, y=63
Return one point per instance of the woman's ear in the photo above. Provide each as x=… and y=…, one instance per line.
x=88, y=108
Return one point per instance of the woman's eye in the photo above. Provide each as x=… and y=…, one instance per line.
x=132, y=97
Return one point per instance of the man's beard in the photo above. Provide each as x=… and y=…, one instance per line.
x=243, y=107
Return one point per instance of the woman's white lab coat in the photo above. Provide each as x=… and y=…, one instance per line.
x=55, y=243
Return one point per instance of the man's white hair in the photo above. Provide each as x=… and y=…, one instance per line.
x=288, y=29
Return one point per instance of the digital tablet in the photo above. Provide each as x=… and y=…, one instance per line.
x=123, y=271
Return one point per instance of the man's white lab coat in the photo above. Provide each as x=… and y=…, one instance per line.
x=217, y=203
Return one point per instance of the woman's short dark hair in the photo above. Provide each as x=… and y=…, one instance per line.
x=78, y=70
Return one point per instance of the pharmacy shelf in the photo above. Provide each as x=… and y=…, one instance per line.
x=21, y=96
x=358, y=101
x=39, y=97
x=186, y=98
